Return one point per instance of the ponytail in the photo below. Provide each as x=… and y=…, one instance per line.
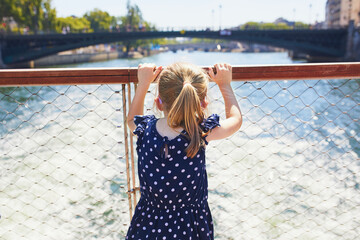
x=183, y=101
x=186, y=111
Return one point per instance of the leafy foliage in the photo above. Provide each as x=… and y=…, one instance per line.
x=273, y=26
x=35, y=14
x=134, y=21
x=76, y=25
x=100, y=20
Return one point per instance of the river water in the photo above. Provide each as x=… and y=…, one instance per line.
x=199, y=58
x=291, y=172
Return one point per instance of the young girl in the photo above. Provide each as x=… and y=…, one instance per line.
x=171, y=150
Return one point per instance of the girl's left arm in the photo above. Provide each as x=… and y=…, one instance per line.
x=147, y=73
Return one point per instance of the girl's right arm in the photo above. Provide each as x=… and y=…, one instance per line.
x=147, y=73
x=233, y=121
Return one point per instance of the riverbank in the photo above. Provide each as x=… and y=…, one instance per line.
x=74, y=58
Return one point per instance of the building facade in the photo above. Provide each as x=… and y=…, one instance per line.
x=340, y=12
x=355, y=12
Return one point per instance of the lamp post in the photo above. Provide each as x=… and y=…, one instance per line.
x=310, y=6
x=294, y=10
x=220, y=16
x=35, y=19
x=47, y=25
x=213, y=19
x=317, y=18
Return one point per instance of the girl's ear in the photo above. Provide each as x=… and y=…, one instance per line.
x=204, y=103
x=159, y=104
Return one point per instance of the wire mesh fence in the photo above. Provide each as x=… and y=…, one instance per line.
x=63, y=171
x=291, y=172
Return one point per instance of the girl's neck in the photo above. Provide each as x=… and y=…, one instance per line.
x=165, y=114
x=165, y=130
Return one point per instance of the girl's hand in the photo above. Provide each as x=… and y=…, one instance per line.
x=147, y=73
x=223, y=74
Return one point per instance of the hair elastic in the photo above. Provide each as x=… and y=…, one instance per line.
x=186, y=82
x=201, y=103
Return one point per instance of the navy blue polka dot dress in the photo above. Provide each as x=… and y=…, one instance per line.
x=174, y=189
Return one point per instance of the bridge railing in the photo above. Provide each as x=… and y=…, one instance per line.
x=177, y=28
x=68, y=166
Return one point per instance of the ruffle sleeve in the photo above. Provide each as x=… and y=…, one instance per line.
x=141, y=123
x=210, y=123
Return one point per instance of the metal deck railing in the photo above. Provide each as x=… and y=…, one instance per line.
x=68, y=168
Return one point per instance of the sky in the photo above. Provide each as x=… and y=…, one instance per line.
x=189, y=14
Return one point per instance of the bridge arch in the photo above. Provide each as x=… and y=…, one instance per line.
x=22, y=48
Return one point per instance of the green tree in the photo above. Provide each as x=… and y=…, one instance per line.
x=133, y=21
x=7, y=8
x=99, y=20
x=35, y=14
x=76, y=25
x=10, y=9
x=270, y=26
x=267, y=26
x=301, y=25
x=283, y=26
x=32, y=14
x=49, y=19
x=251, y=25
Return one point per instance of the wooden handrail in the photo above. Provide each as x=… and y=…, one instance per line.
x=77, y=76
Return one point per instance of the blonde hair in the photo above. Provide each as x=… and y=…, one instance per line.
x=182, y=88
